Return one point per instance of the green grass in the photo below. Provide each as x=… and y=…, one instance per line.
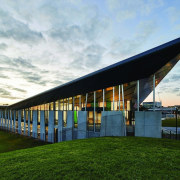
x=10, y=142
x=95, y=158
x=170, y=123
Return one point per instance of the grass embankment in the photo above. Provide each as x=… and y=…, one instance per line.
x=170, y=123
x=10, y=142
x=95, y=158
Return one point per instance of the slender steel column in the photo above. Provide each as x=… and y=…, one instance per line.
x=123, y=110
x=73, y=104
x=119, y=97
x=86, y=101
x=103, y=98
x=154, y=79
x=94, y=109
x=68, y=104
x=80, y=103
x=63, y=104
x=137, y=95
x=113, y=98
x=59, y=104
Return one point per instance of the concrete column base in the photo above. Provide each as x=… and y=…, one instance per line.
x=82, y=125
x=42, y=126
x=148, y=124
x=70, y=125
x=112, y=124
x=60, y=125
x=51, y=127
x=34, y=128
x=19, y=122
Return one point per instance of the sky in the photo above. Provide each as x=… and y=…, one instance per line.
x=45, y=43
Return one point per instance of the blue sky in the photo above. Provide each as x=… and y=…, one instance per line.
x=45, y=43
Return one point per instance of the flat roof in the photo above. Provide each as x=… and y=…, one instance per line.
x=134, y=68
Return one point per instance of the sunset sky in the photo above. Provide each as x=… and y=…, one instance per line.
x=45, y=43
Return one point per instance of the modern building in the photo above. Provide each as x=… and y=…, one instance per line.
x=105, y=102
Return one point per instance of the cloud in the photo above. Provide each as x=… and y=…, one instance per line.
x=124, y=47
x=129, y=9
x=19, y=31
x=3, y=46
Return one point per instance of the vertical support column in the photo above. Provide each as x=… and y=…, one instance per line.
x=113, y=98
x=137, y=95
x=60, y=126
x=29, y=119
x=24, y=122
x=94, y=111
x=80, y=103
x=51, y=127
x=11, y=119
x=103, y=98
x=42, y=126
x=119, y=97
x=86, y=101
x=19, y=121
x=68, y=105
x=123, y=111
x=34, y=128
x=154, y=79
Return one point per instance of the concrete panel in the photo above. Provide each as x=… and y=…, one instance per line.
x=34, y=128
x=112, y=124
x=19, y=121
x=29, y=118
x=42, y=126
x=51, y=127
x=70, y=125
x=24, y=122
x=60, y=126
x=148, y=124
x=11, y=119
x=82, y=125
x=139, y=123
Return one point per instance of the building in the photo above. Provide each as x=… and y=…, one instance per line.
x=149, y=105
x=83, y=107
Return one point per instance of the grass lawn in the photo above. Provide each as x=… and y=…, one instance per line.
x=10, y=142
x=95, y=158
x=170, y=123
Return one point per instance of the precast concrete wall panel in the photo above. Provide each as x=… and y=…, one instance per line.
x=19, y=121
x=112, y=123
x=60, y=125
x=148, y=124
x=82, y=125
x=42, y=126
x=24, y=122
x=29, y=118
x=34, y=128
x=51, y=127
x=70, y=125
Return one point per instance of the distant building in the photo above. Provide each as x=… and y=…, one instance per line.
x=149, y=105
